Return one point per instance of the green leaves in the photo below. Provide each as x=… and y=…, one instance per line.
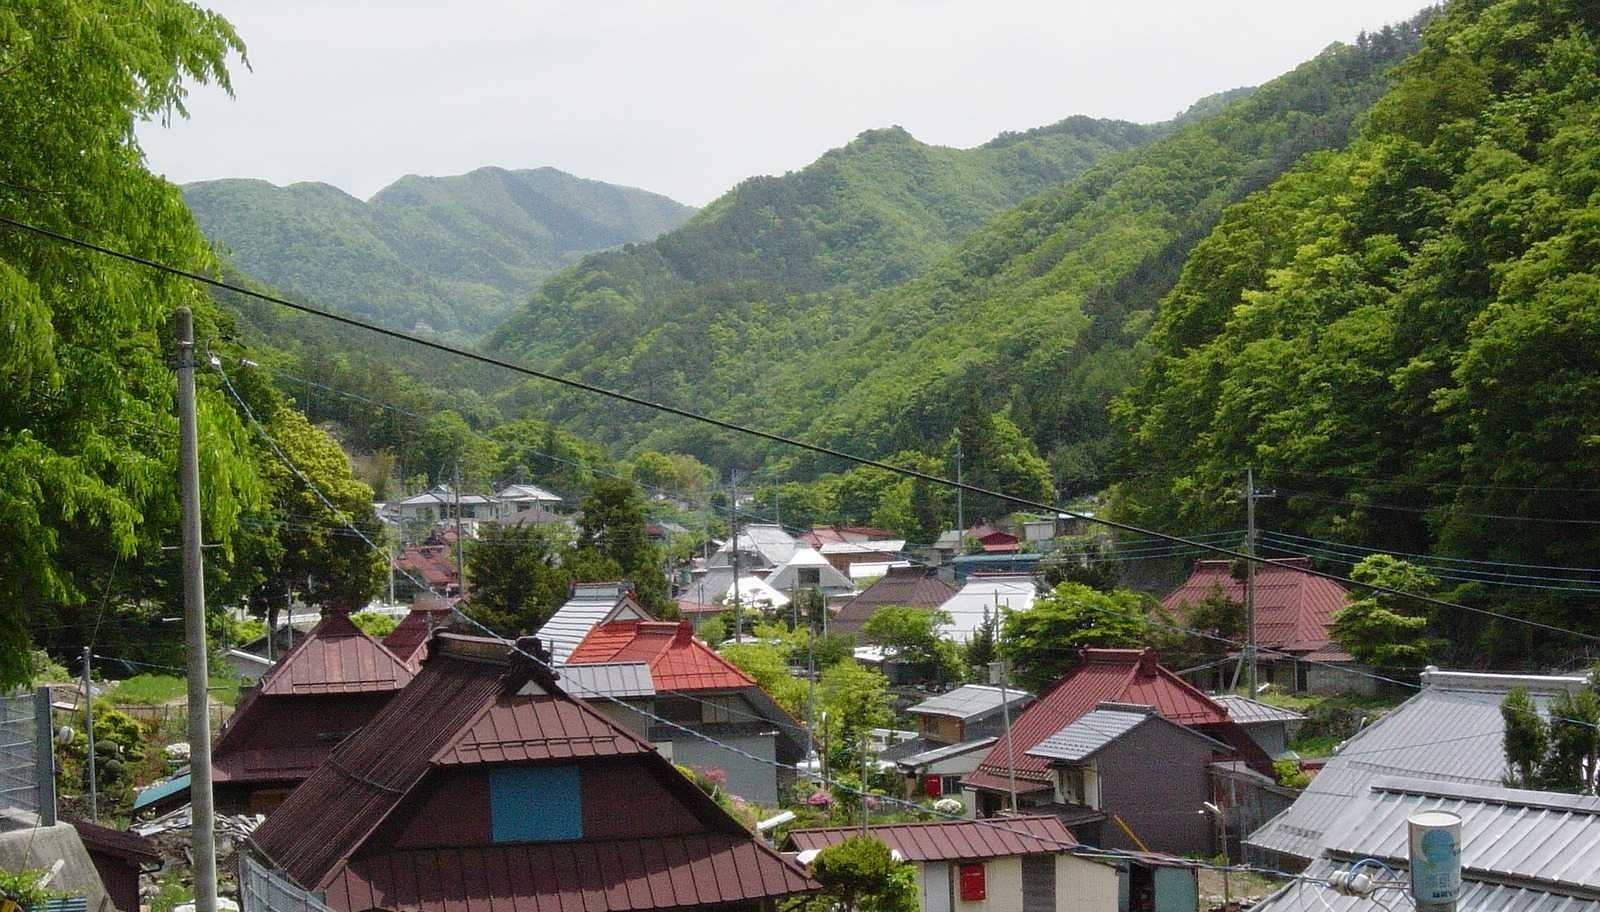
x=1042, y=643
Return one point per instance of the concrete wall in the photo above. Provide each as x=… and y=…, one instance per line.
x=35, y=848
x=1322, y=679
x=1155, y=778
x=752, y=781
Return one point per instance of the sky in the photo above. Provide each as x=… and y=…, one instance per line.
x=688, y=98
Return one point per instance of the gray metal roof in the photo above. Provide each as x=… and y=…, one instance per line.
x=590, y=606
x=1451, y=731
x=773, y=544
x=970, y=701
x=1091, y=732
x=1521, y=850
x=1246, y=711
x=608, y=679
x=991, y=595
x=943, y=752
x=1476, y=896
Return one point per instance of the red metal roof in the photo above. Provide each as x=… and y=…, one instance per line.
x=518, y=729
x=910, y=586
x=690, y=607
x=119, y=843
x=952, y=840
x=677, y=660
x=285, y=738
x=336, y=657
x=1293, y=609
x=409, y=637
x=627, y=875
x=431, y=562
x=1105, y=676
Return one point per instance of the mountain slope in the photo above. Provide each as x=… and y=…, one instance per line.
x=446, y=254
x=668, y=316
x=1403, y=338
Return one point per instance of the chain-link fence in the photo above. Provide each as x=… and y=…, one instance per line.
x=262, y=889
x=27, y=767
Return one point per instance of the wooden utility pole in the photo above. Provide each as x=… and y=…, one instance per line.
x=733, y=539
x=88, y=732
x=202, y=812
x=1251, y=495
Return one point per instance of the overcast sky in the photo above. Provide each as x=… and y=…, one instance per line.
x=687, y=98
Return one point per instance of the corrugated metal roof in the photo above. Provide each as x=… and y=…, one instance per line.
x=154, y=793
x=608, y=679
x=1475, y=896
x=942, y=752
x=952, y=840
x=677, y=660
x=526, y=492
x=519, y=729
x=971, y=701
x=910, y=586
x=591, y=605
x=1293, y=609
x=409, y=637
x=120, y=843
x=1107, y=723
x=829, y=577
x=985, y=594
x=336, y=657
x=1106, y=676
x=631, y=875
x=773, y=544
x=1461, y=711
x=1246, y=711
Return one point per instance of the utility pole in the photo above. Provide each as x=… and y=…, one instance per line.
x=461, y=567
x=202, y=813
x=961, y=516
x=997, y=674
x=88, y=732
x=733, y=539
x=1251, y=495
x=865, y=820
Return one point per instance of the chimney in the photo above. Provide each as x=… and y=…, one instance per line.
x=685, y=633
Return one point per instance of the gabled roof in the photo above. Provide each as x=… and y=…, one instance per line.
x=1520, y=849
x=1246, y=711
x=336, y=657
x=933, y=752
x=588, y=606
x=886, y=546
x=410, y=637
x=991, y=593
x=1105, y=675
x=971, y=701
x=677, y=660
x=1101, y=727
x=787, y=576
x=909, y=586
x=952, y=840
x=773, y=544
x=469, y=706
x=431, y=562
x=103, y=840
x=1293, y=609
x=526, y=492
x=753, y=590
x=1458, y=709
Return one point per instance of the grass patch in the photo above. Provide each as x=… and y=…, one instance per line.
x=157, y=689
x=1331, y=718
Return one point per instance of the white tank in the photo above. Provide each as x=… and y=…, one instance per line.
x=1435, y=860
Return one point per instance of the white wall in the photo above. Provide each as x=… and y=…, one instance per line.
x=1084, y=886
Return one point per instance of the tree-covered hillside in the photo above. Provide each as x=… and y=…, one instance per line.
x=748, y=279
x=1041, y=309
x=450, y=255
x=1403, y=337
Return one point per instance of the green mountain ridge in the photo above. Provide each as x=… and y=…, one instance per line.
x=447, y=255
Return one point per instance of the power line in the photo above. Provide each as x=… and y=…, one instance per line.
x=1442, y=509
x=769, y=436
x=1435, y=557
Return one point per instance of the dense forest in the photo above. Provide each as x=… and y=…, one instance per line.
x=1403, y=337
x=445, y=255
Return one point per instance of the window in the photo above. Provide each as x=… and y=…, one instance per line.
x=720, y=709
x=1072, y=790
x=810, y=576
x=535, y=804
x=950, y=785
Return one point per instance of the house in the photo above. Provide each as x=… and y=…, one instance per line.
x=588, y=606
x=988, y=596
x=761, y=546
x=1523, y=850
x=484, y=784
x=912, y=587
x=806, y=568
x=618, y=690
x=1459, y=710
x=1130, y=763
x=119, y=857
x=1021, y=864
x=1294, y=611
x=442, y=502
x=859, y=560
x=1271, y=727
x=819, y=536
x=409, y=639
x=954, y=731
x=698, y=613
x=330, y=684
x=965, y=566
x=431, y=563
x=1126, y=676
x=693, y=686
x=983, y=538
x=517, y=498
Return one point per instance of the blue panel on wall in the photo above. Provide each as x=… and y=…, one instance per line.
x=535, y=804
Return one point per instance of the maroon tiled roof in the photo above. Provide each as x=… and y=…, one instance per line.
x=119, y=843
x=336, y=657
x=1106, y=676
x=952, y=840
x=1293, y=609
x=468, y=705
x=910, y=586
x=431, y=562
x=703, y=870
x=409, y=637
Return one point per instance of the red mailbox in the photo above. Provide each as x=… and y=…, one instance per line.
x=933, y=786
x=972, y=884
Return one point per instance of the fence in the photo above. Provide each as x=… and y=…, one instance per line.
x=27, y=764
x=262, y=889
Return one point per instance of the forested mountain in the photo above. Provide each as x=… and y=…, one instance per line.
x=1041, y=310
x=449, y=255
x=753, y=277
x=1403, y=337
